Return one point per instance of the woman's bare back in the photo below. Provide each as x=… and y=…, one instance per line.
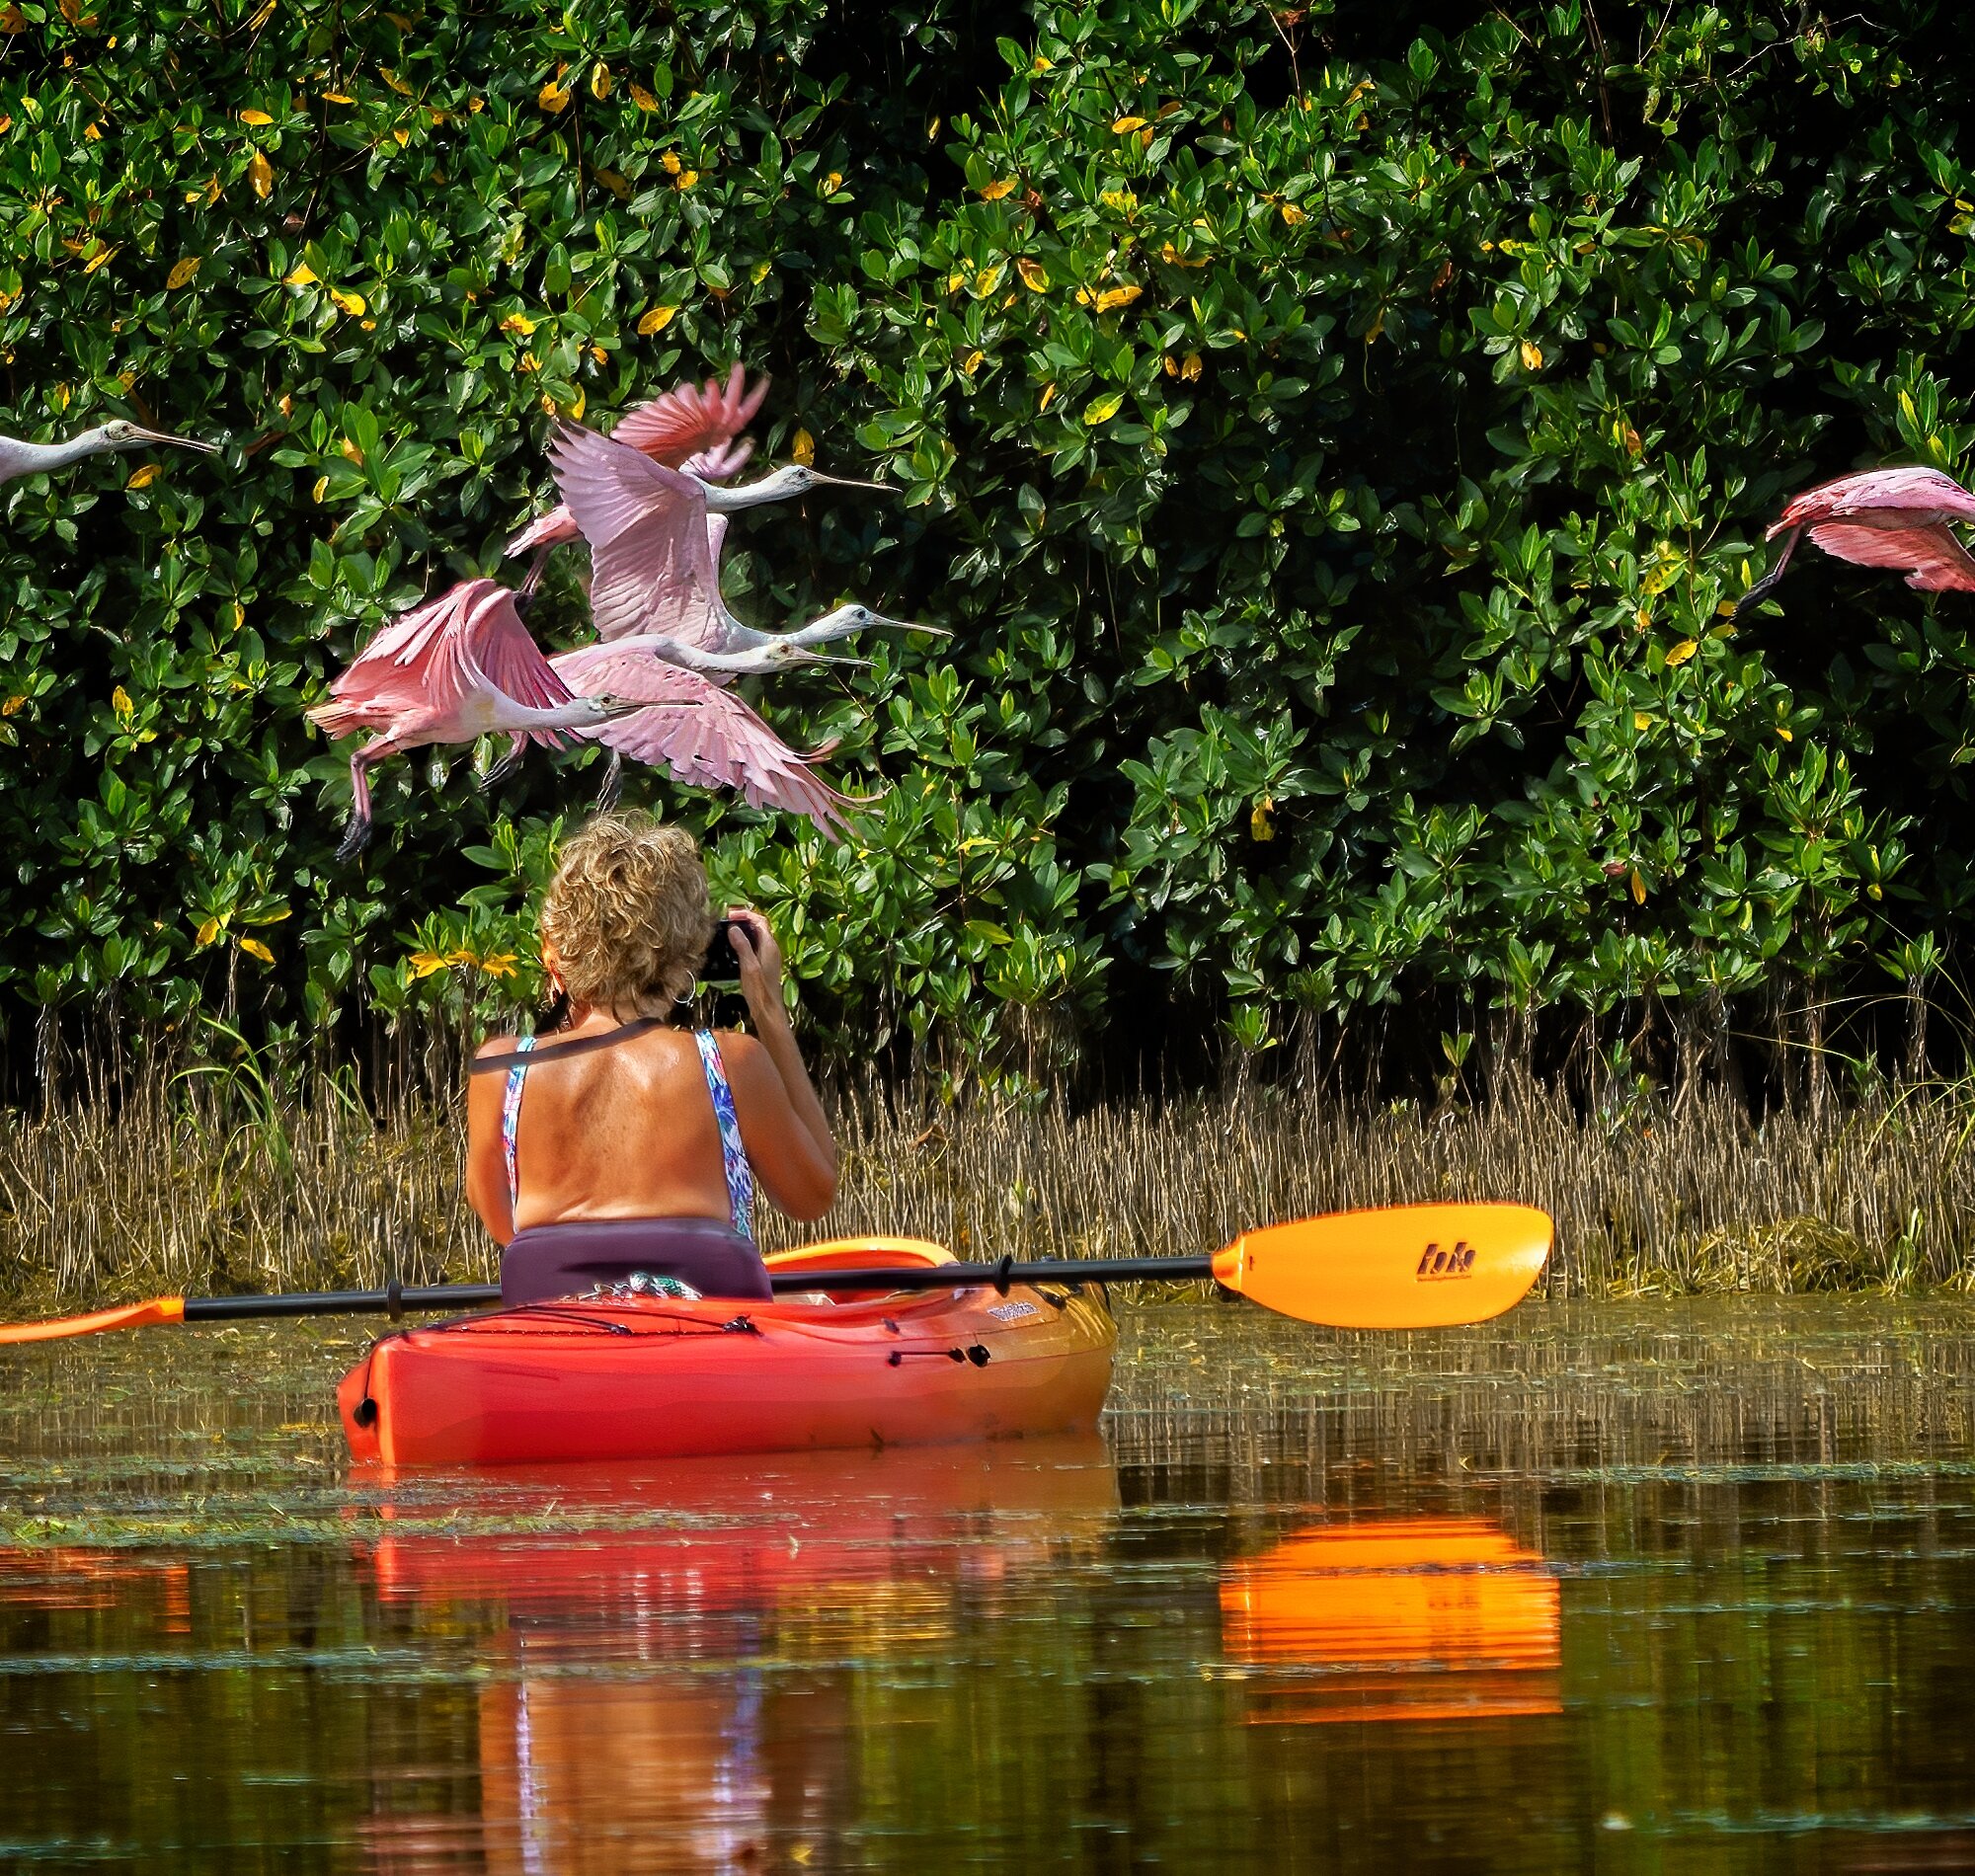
x=629, y=1131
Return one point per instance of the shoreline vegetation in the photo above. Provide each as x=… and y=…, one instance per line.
x=212, y=1188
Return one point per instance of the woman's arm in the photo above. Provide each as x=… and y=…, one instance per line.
x=799, y=1167
x=486, y=1164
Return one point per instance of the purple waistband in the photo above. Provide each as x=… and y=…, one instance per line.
x=564, y=1260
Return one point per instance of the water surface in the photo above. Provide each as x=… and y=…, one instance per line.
x=1642, y=1587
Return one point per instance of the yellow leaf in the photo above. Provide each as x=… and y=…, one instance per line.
x=1039, y=64
x=832, y=182
x=972, y=362
x=181, y=272
x=1034, y=278
x=685, y=178
x=401, y=138
x=1119, y=200
x=338, y=98
x=262, y=15
x=617, y=185
x=552, y=98
x=670, y=163
x=1378, y=326
x=302, y=276
x=1726, y=611
x=803, y=447
x=145, y=475
x=255, y=118
x=1640, y=721
x=600, y=80
x=1532, y=358
x=642, y=98
x=987, y=280
x=120, y=701
x=351, y=452
x=519, y=323
x=577, y=406
x=1114, y=297
x=1258, y=819
x=261, y=173
x=1189, y=366
x=392, y=79
x=657, y=319
x=320, y=488
x=13, y=19
x=994, y=191
x=1047, y=397
x=1124, y=125
x=253, y=948
x=1294, y=216
x=1100, y=409
x=351, y=303
x=13, y=705
x=760, y=272
x=100, y=258
x=208, y=931
x=1639, y=889
x=1682, y=652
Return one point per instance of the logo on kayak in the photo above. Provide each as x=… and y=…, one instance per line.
x=1013, y=1311
x=1436, y=1263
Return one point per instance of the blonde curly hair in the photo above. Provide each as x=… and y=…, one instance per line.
x=627, y=912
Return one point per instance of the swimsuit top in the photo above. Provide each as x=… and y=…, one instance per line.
x=733, y=1154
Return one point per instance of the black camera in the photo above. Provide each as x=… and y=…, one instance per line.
x=723, y=961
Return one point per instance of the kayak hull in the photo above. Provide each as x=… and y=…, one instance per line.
x=651, y=1377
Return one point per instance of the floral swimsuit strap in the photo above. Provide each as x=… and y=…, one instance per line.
x=511, y=1116
x=733, y=1154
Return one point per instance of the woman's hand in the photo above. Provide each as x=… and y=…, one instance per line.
x=761, y=959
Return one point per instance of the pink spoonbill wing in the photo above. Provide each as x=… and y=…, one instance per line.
x=1936, y=560
x=690, y=419
x=723, y=743
x=650, y=560
x=1907, y=492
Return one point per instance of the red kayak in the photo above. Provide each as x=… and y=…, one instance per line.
x=646, y=1377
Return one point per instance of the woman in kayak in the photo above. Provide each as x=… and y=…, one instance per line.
x=639, y=1142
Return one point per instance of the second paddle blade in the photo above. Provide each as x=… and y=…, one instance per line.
x=1395, y=1267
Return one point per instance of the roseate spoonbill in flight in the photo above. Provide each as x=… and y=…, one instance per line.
x=452, y=670
x=694, y=431
x=1881, y=517
x=723, y=743
x=19, y=458
x=652, y=564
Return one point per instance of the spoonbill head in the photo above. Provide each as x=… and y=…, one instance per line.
x=773, y=652
x=847, y=619
x=782, y=485
x=121, y=434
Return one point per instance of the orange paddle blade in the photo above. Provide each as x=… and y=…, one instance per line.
x=1395, y=1267
x=129, y=1315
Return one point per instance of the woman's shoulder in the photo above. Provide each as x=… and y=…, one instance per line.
x=496, y=1046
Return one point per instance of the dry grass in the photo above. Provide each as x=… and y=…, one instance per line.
x=194, y=1188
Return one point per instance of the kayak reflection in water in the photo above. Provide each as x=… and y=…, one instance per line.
x=636, y=1155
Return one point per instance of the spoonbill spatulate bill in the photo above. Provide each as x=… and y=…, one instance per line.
x=19, y=458
x=1881, y=517
x=722, y=743
x=651, y=562
x=452, y=670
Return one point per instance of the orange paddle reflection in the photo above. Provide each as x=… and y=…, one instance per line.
x=1415, y=1618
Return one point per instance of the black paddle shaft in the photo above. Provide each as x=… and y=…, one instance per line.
x=397, y=1300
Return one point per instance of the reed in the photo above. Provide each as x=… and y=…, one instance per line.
x=210, y=1186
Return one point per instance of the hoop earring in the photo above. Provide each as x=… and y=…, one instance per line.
x=690, y=991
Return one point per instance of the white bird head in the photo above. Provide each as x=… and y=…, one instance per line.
x=121, y=434
x=856, y=618
x=778, y=653
x=606, y=708
x=797, y=479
